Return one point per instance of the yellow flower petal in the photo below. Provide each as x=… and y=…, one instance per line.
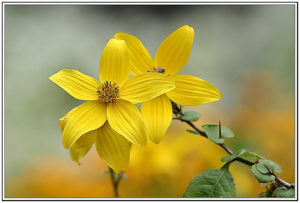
x=140, y=60
x=82, y=146
x=114, y=62
x=65, y=118
x=146, y=86
x=78, y=85
x=126, y=119
x=174, y=52
x=192, y=91
x=157, y=115
x=113, y=148
x=87, y=117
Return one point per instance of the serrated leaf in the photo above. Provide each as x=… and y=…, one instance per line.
x=211, y=183
x=233, y=156
x=262, y=178
x=283, y=192
x=273, y=166
x=192, y=131
x=190, y=116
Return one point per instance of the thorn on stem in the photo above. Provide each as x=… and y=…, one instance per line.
x=270, y=172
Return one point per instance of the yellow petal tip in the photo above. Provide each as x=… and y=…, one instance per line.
x=66, y=145
x=116, y=40
x=75, y=159
x=173, y=53
x=188, y=27
x=219, y=95
x=117, y=35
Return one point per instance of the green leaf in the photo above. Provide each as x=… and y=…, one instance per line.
x=273, y=166
x=263, y=194
x=251, y=154
x=241, y=152
x=266, y=193
x=226, y=132
x=190, y=116
x=215, y=139
x=192, y=131
x=233, y=156
x=262, y=178
x=212, y=132
x=211, y=183
x=283, y=192
x=227, y=158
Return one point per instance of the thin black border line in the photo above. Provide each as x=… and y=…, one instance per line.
x=150, y=199
x=151, y=2
x=179, y=3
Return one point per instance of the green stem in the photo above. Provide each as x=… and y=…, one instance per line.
x=115, y=180
x=229, y=151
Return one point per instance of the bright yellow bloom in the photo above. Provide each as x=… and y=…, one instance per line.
x=112, y=99
x=111, y=146
x=170, y=58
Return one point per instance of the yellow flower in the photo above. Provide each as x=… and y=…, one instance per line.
x=110, y=100
x=170, y=58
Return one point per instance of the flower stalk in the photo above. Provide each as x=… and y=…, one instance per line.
x=115, y=180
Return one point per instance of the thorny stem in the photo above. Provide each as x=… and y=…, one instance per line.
x=229, y=151
x=278, y=180
x=115, y=180
x=282, y=182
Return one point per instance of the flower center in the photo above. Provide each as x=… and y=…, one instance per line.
x=108, y=92
x=159, y=70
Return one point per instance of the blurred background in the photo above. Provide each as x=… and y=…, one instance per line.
x=246, y=51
